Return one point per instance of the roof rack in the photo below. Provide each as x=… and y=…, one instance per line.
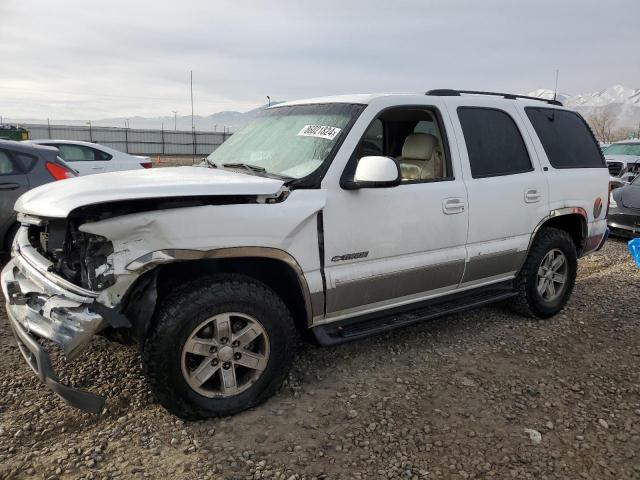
x=447, y=92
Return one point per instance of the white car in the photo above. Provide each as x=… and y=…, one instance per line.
x=88, y=158
x=331, y=218
x=623, y=160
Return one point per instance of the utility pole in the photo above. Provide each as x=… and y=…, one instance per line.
x=191, y=75
x=175, y=120
x=193, y=128
x=126, y=135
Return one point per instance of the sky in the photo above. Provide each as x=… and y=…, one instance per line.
x=69, y=59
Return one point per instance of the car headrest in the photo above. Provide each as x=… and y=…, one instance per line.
x=419, y=146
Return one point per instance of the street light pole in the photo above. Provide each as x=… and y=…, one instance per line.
x=175, y=120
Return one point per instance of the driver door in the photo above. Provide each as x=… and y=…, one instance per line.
x=391, y=246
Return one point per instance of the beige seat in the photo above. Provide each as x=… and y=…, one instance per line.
x=421, y=158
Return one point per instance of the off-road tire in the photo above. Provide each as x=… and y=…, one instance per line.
x=183, y=310
x=528, y=301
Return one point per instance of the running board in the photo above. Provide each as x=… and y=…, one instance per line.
x=373, y=324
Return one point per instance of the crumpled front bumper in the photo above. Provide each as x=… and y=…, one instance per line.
x=38, y=307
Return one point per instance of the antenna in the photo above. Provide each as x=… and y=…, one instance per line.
x=555, y=91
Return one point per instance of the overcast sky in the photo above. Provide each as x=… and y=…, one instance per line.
x=71, y=59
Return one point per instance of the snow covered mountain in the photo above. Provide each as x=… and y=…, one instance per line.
x=620, y=102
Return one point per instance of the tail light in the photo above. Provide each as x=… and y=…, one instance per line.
x=146, y=164
x=58, y=172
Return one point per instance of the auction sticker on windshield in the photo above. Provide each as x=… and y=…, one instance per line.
x=320, y=131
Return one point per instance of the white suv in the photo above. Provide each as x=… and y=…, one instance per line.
x=337, y=217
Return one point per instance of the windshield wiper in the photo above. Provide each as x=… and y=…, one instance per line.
x=255, y=169
x=246, y=166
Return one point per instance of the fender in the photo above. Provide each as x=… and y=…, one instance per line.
x=152, y=259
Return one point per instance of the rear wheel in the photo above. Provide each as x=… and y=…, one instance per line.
x=548, y=276
x=220, y=345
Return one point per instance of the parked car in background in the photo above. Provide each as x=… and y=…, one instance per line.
x=624, y=210
x=23, y=167
x=623, y=160
x=88, y=158
x=12, y=132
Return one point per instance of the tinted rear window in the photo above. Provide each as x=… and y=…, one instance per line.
x=494, y=143
x=566, y=138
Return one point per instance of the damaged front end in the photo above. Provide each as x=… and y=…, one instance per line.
x=52, y=285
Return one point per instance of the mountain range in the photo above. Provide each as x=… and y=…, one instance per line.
x=621, y=103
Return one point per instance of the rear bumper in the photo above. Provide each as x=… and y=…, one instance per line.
x=39, y=307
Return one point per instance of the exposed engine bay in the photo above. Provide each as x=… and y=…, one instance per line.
x=83, y=259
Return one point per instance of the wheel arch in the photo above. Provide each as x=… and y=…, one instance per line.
x=573, y=220
x=163, y=270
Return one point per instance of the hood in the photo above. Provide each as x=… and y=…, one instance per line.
x=58, y=199
x=629, y=196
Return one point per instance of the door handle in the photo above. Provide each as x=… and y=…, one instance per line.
x=9, y=186
x=97, y=168
x=451, y=206
x=532, y=195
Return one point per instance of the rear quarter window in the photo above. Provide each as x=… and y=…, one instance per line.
x=25, y=161
x=566, y=138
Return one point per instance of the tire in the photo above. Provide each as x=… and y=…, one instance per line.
x=188, y=311
x=530, y=301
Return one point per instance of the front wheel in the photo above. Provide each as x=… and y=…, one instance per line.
x=220, y=345
x=548, y=276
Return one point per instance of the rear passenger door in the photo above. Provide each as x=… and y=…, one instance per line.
x=507, y=190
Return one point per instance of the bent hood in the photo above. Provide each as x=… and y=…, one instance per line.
x=58, y=199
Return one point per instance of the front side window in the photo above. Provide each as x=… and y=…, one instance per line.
x=290, y=142
x=494, y=143
x=623, y=149
x=413, y=137
x=566, y=138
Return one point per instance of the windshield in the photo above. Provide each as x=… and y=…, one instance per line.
x=288, y=141
x=623, y=149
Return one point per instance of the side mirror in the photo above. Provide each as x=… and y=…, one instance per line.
x=375, y=172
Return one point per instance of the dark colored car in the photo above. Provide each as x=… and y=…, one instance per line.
x=23, y=167
x=624, y=210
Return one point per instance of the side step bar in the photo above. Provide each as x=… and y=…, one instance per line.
x=373, y=324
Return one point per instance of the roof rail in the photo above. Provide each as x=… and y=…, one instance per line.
x=446, y=92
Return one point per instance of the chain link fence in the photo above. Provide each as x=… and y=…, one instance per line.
x=134, y=140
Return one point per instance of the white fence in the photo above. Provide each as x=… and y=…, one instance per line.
x=133, y=140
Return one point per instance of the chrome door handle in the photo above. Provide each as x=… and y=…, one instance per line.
x=451, y=206
x=532, y=195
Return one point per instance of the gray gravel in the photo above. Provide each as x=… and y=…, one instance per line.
x=445, y=399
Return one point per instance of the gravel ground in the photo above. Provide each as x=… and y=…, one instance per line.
x=445, y=399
